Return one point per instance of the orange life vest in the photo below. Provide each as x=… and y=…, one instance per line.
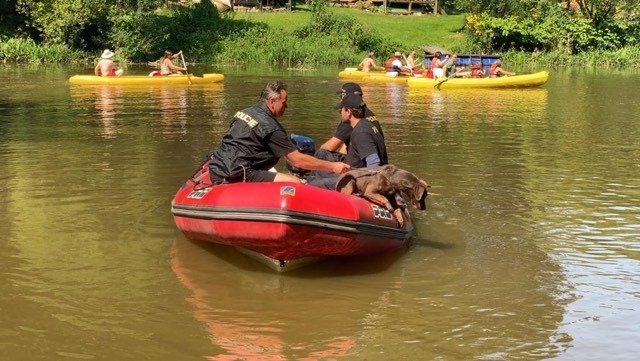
x=387, y=64
x=476, y=71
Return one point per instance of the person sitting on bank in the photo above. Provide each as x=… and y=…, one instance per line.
x=256, y=141
x=167, y=67
x=106, y=66
x=495, y=70
x=368, y=63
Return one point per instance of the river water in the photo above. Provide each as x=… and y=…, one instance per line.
x=529, y=248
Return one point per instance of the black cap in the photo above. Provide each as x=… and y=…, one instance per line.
x=351, y=101
x=352, y=88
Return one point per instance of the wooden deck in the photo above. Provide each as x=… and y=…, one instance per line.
x=409, y=3
x=344, y=2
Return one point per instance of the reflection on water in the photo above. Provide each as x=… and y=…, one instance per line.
x=485, y=105
x=173, y=107
x=328, y=311
x=167, y=103
x=107, y=103
x=528, y=250
x=254, y=315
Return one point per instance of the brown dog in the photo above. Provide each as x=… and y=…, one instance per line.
x=380, y=184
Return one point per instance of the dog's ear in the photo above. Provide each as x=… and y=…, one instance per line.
x=420, y=193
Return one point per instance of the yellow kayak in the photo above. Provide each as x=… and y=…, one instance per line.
x=372, y=76
x=146, y=80
x=514, y=81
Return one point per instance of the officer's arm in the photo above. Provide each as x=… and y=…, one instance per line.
x=332, y=145
x=304, y=161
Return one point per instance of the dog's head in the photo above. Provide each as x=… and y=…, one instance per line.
x=413, y=186
x=420, y=194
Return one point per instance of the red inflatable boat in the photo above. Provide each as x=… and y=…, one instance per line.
x=285, y=224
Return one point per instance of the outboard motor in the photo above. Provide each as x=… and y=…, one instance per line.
x=305, y=145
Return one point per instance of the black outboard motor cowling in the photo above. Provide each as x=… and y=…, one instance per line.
x=305, y=145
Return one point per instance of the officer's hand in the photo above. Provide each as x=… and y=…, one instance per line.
x=339, y=167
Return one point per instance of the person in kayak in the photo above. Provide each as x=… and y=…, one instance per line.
x=167, y=67
x=449, y=66
x=436, y=66
x=394, y=65
x=495, y=70
x=256, y=141
x=476, y=70
x=106, y=66
x=412, y=63
x=368, y=63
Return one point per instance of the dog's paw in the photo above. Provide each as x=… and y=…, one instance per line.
x=399, y=216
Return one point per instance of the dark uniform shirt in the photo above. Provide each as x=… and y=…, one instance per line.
x=343, y=131
x=365, y=140
x=254, y=142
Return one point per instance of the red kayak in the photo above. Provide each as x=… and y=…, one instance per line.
x=285, y=224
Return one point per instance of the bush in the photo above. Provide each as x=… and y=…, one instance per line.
x=145, y=35
x=346, y=32
x=547, y=27
x=327, y=38
x=27, y=51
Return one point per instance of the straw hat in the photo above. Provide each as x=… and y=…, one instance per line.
x=397, y=53
x=106, y=54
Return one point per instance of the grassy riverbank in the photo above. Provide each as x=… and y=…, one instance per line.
x=335, y=36
x=301, y=39
x=411, y=31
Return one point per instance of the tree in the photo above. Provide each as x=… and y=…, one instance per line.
x=80, y=24
x=10, y=19
x=604, y=11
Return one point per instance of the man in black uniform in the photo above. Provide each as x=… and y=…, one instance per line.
x=255, y=142
x=336, y=147
x=366, y=145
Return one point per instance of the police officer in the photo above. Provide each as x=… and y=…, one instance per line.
x=366, y=146
x=336, y=147
x=255, y=142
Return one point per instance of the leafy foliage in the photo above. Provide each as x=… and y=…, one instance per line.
x=346, y=31
x=73, y=22
x=497, y=8
x=27, y=51
x=547, y=26
x=140, y=30
x=144, y=35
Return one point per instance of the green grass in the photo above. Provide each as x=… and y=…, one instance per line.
x=412, y=31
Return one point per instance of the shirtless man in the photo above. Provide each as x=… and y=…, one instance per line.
x=368, y=63
x=106, y=66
